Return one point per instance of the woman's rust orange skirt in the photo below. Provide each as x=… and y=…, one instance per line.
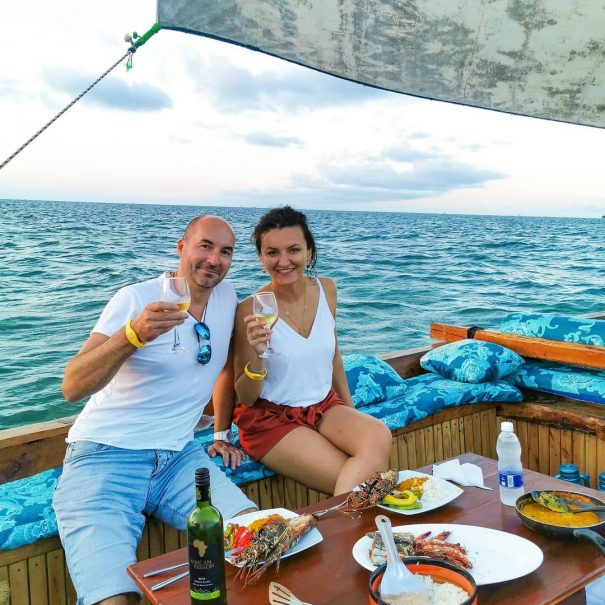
x=264, y=424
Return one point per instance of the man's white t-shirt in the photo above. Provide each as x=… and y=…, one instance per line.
x=157, y=397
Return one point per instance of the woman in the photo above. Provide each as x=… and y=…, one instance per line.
x=294, y=410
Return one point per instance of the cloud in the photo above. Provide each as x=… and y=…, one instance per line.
x=110, y=92
x=266, y=139
x=406, y=153
x=365, y=184
x=236, y=88
x=430, y=178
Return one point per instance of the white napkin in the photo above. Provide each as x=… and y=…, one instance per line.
x=463, y=474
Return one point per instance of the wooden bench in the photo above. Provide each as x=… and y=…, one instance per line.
x=552, y=431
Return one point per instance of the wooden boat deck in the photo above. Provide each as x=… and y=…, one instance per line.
x=552, y=430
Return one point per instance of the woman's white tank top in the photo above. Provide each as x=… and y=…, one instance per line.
x=301, y=374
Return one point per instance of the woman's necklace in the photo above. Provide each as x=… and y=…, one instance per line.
x=300, y=325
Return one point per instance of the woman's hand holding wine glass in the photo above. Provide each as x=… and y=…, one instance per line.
x=264, y=308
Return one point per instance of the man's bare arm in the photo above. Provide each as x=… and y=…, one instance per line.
x=99, y=360
x=223, y=401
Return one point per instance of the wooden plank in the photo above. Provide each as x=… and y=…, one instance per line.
x=156, y=537
x=265, y=495
x=590, y=467
x=38, y=586
x=438, y=442
x=394, y=457
x=446, y=440
x=600, y=460
x=477, y=436
x=411, y=448
x=486, y=444
x=290, y=494
x=567, y=446
x=55, y=573
x=4, y=588
x=277, y=491
x=537, y=348
x=31, y=550
x=402, y=453
x=543, y=449
x=493, y=431
x=421, y=457
x=19, y=584
x=533, y=452
x=469, y=438
x=143, y=547
x=71, y=592
x=579, y=451
x=455, y=436
x=522, y=435
x=171, y=538
x=554, y=436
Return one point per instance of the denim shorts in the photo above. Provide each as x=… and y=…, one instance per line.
x=104, y=495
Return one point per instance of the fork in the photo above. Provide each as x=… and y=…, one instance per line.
x=280, y=595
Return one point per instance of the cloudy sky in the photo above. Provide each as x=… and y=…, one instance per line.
x=202, y=122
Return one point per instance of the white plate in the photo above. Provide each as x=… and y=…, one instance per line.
x=497, y=556
x=311, y=538
x=450, y=492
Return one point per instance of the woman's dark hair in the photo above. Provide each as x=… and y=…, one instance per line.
x=285, y=216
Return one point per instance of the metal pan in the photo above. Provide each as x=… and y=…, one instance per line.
x=556, y=531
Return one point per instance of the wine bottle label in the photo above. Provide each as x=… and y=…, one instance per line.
x=206, y=568
x=511, y=479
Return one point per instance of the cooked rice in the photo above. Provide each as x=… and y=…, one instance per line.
x=438, y=593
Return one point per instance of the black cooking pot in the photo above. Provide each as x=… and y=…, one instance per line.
x=556, y=531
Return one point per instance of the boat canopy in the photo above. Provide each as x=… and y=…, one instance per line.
x=540, y=58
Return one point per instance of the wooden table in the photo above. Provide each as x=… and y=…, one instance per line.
x=327, y=574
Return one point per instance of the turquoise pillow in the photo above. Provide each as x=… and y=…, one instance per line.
x=26, y=513
x=471, y=361
x=561, y=379
x=427, y=394
x=371, y=380
x=556, y=327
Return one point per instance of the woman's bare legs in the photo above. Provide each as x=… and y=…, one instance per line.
x=365, y=439
x=307, y=457
x=346, y=450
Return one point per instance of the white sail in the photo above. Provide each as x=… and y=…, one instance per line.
x=541, y=58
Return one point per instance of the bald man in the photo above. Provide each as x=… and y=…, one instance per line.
x=131, y=451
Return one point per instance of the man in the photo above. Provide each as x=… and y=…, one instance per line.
x=130, y=451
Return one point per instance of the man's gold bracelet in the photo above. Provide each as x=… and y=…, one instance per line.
x=133, y=337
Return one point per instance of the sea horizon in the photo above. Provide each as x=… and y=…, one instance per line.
x=396, y=273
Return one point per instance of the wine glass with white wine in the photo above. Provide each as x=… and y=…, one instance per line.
x=264, y=307
x=176, y=290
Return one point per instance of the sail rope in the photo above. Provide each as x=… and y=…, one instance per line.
x=135, y=41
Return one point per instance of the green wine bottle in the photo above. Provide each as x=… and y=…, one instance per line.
x=206, y=549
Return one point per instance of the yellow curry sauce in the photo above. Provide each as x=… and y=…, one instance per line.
x=543, y=515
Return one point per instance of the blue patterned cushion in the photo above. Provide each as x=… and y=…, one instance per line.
x=427, y=394
x=370, y=379
x=26, y=513
x=560, y=379
x=471, y=361
x=556, y=327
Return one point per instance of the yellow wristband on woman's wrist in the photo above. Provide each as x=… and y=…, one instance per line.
x=252, y=375
x=132, y=336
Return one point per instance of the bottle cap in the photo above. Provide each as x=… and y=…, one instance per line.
x=202, y=475
x=507, y=426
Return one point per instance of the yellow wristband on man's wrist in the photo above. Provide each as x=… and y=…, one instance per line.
x=252, y=375
x=132, y=336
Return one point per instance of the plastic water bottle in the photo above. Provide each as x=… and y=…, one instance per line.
x=510, y=469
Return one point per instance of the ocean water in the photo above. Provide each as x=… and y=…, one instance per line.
x=396, y=272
